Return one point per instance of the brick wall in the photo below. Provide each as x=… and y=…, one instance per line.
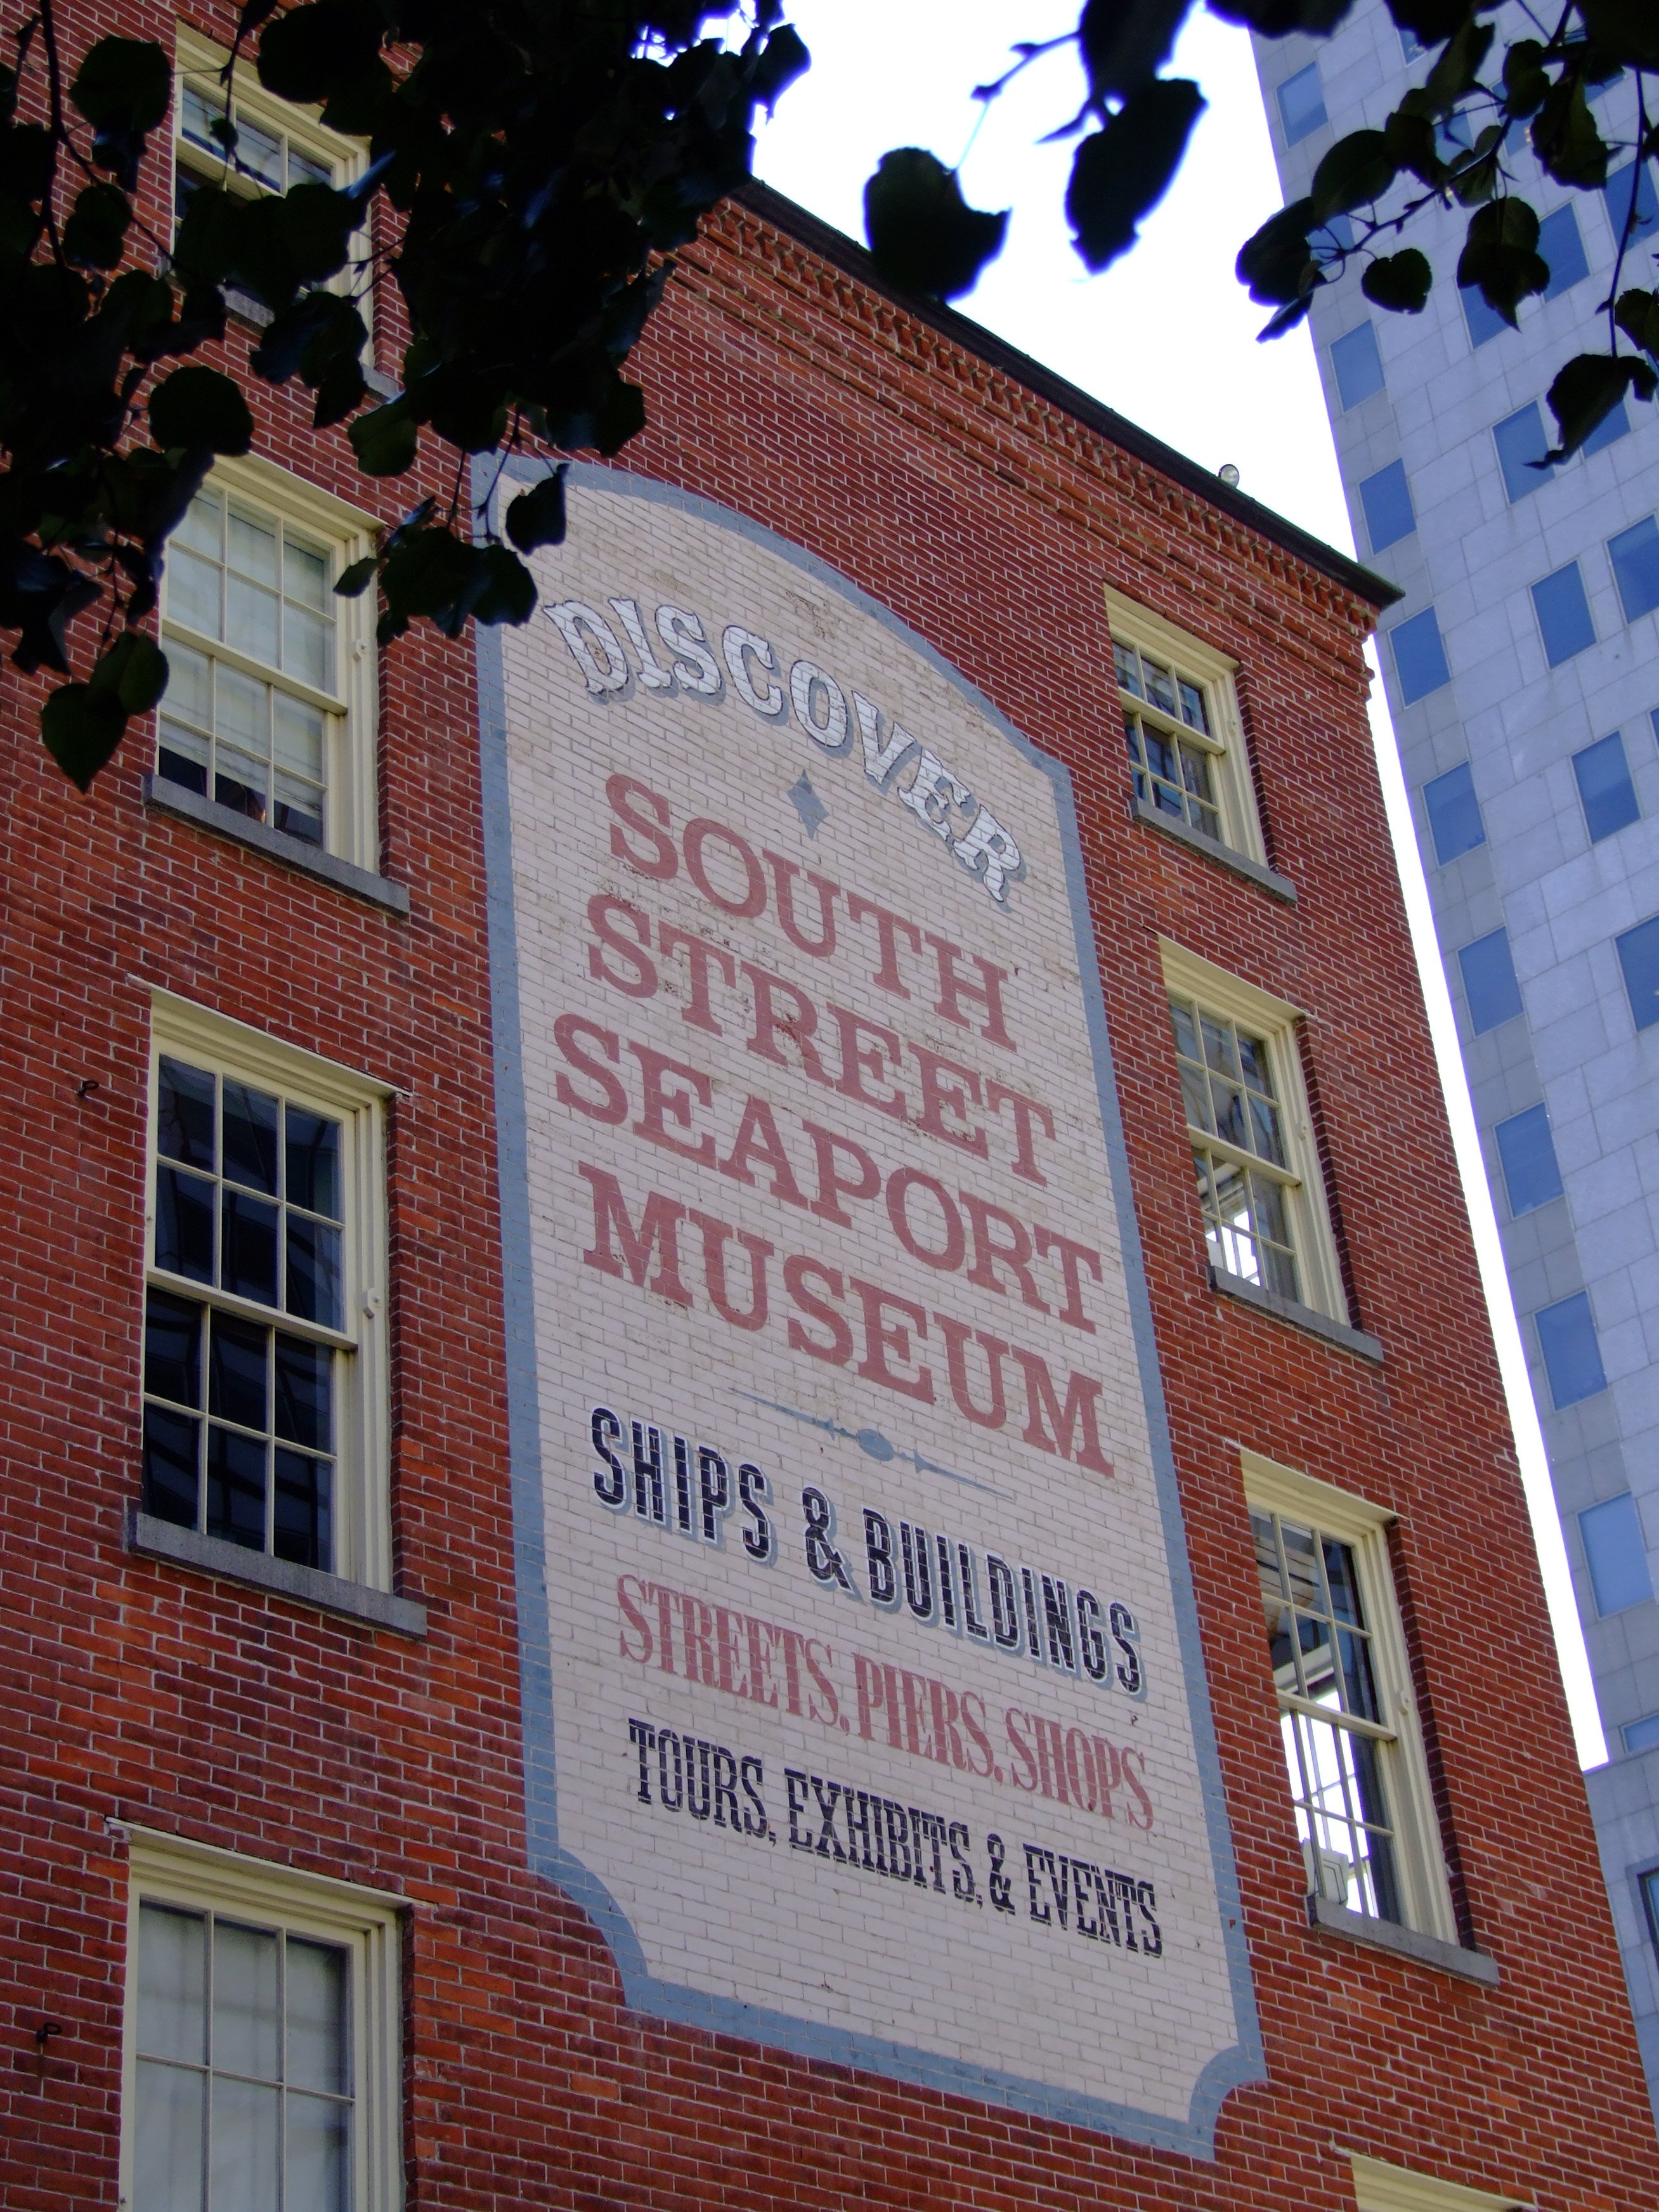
x=134, y=1691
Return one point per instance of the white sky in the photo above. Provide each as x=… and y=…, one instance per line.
x=1167, y=337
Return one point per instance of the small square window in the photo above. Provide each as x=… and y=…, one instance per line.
x=1387, y=500
x=1635, y=555
x=1420, y=657
x=1489, y=983
x=1612, y=426
x=1642, y=1735
x=1564, y=614
x=1532, y=1175
x=1336, y=237
x=1454, y=813
x=1639, y=956
x=1616, y=1554
x=1560, y=245
x=1453, y=135
x=1521, y=445
x=1483, y=322
x=1605, y=788
x=1619, y=188
x=1572, y=1356
x=1302, y=105
x=1357, y=364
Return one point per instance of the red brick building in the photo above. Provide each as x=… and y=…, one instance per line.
x=750, y=1450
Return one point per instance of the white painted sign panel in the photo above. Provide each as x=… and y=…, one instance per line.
x=864, y=1702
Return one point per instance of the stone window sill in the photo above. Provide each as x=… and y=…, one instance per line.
x=224, y=821
x=212, y=1555
x=1240, y=863
x=1328, y=1919
x=1300, y=1316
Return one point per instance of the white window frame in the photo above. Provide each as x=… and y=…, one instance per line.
x=362, y=1506
x=1277, y=1022
x=1270, y=1487
x=1215, y=675
x=350, y=808
x=163, y=1869
x=1380, y=2187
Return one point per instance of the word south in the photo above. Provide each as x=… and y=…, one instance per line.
x=809, y=693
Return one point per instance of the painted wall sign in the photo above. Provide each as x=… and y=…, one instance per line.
x=863, y=1699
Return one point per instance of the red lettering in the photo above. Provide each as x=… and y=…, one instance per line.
x=1140, y=1812
x=1014, y=1254
x=798, y=1023
x=833, y=1186
x=949, y=1253
x=759, y=1138
x=862, y=1046
x=660, y=1072
x=715, y=1234
x=973, y=1720
x=1073, y=1259
x=634, y=1619
x=839, y=1350
x=883, y=1336
x=641, y=981
x=700, y=957
x=1051, y=1427
x=656, y=1237
x=870, y=1692
x=820, y=1659
x=954, y=987
x=1027, y=1114
x=956, y=1334
x=887, y=925
x=613, y=1099
x=662, y=860
x=948, y=1088
x=784, y=873
x=698, y=835
x=1023, y=1757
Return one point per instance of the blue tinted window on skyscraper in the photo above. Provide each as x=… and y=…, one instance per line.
x=1532, y=1176
x=1605, y=788
x=1420, y=658
x=1638, y=957
x=1619, y=188
x=1572, y=1357
x=1410, y=45
x=1564, y=249
x=1635, y=555
x=1483, y=322
x=1616, y=1555
x=1387, y=500
x=1521, y=442
x=1302, y=104
x=1358, y=365
x=1454, y=813
x=1564, y=614
x=1492, y=994
x=1612, y=426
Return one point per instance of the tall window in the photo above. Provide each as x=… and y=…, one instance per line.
x=1359, y=1787
x=263, y=1362
x=1187, y=756
x=261, y=2038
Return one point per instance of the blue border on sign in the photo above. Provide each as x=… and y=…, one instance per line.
x=1242, y=2062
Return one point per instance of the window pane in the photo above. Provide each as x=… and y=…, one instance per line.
x=247, y=1244
x=1128, y=668
x=1572, y=1357
x=1639, y=956
x=1302, y=104
x=184, y=1124
x=1621, y=187
x=250, y=1136
x=251, y=545
x=1635, y=555
x=1616, y=1555
x=236, y=1488
x=172, y=1348
x=1564, y=614
x=1454, y=813
x=172, y=1467
x=1605, y=788
x=1612, y=426
x=244, y=2164
x=1420, y=658
x=1521, y=445
x=168, y=2139
x=258, y=152
x=184, y=1224
x=1490, y=988
x=1386, y=500
x=316, y=2017
x=312, y=1145
x=247, y=2024
x=1642, y=1735
x=303, y=170
x=198, y=110
x=1526, y=1151
x=317, y=2139
x=1358, y=365
x=203, y=528
x=1483, y=322
x=314, y=1290
x=302, y=1511
x=1560, y=244
x=304, y=1393
x=193, y=584
x=305, y=575
x=309, y=647
x=239, y=1372
x=172, y=1984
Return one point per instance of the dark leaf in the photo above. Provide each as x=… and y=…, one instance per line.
x=1357, y=169
x=1457, y=66
x=353, y=582
x=1276, y=262
x=1400, y=281
x=254, y=12
x=1126, y=42
x=305, y=51
x=784, y=59
x=502, y=590
x=1501, y=256
x=1275, y=19
x=123, y=83
x=132, y=672
x=1628, y=30
x=1588, y=390
x=341, y=389
x=1433, y=21
x=621, y=416
x=1526, y=82
x=1637, y=314
x=384, y=439
x=95, y=233
x=1121, y=171
x=923, y=235
x=80, y=732
x=537, y=517
x=1564, y=137
x=198, y=406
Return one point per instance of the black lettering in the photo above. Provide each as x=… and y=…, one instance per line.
x=878, y=1558
x=611, y=1481
x=646, y=1739
x=962, y=1870
x=755, y=1822
x=760, y=1540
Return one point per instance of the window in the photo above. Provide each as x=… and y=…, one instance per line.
x=1651, y=1903
x=1642, y=1735
x=1483, y=322
x=269, y=708
x=1615, y=1551
x=1572, y=1357
x=1302, y=105
x=1387, y=500
x=1638, y=958
x=1334, y=238
x=1420, y=658
x=1410, y=45
x=1526, y=1148
x=1186, y=755
x=1260, y=1192
x=1353, y=1753
x=1620, y=188
x=1490, y=989
x=264, y=1359
x=1612, y=426
x=1454, y=813
x=261, y=2038
x=1564, y=614
x=1381, y=2187
x=1560, y=244
x=1521, y=446
x=1605, y=788
x=1357, y=365
x=1635, y=554
x=1453, y=135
